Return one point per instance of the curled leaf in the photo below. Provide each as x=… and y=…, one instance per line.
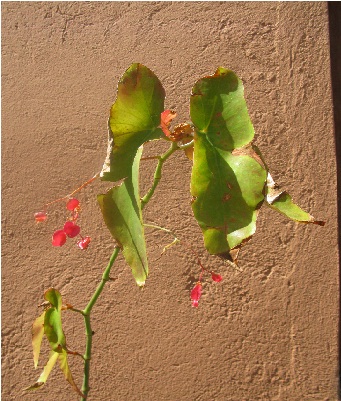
x=121, y=209
x=166, y=117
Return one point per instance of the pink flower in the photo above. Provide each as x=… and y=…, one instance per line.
x=196, y=294
x=84, y=242
x=40, y=216
x=58, y=238
x=72, y=204
x=71, y=229
x=216, y=277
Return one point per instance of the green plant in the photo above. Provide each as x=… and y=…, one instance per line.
x=230, y=182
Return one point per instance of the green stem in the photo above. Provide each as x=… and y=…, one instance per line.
x=157, y=174
x=106, y=276
x=88, y=331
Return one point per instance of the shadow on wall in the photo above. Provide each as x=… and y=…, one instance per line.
x=334, y=9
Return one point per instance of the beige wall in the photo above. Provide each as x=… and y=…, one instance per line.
x=269, y=333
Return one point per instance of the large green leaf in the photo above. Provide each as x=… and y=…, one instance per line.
x=227, y=185
x=227, y=190
x=219, y=110
x=134, y=119
x=121, y=209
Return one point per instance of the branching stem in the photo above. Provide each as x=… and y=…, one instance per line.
x=106, y=275
x=157, y=174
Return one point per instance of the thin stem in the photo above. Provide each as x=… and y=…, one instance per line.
x=105, y=278
x=176, y=239
x=75, y=310
x=72, y=193
x=106, y=275
x=161, y=229
x=84, y=185
x=88, y=329
x=157, y=174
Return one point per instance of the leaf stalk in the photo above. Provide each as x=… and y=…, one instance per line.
x=157, y=174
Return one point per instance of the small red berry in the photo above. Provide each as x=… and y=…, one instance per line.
x=40, y=216
x=84, y=242
x=71, y=229
x=72, y=204
x=196, y=294
x=216, y=277
x=58, y=238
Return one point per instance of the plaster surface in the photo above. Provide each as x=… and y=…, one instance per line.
x=267, y=333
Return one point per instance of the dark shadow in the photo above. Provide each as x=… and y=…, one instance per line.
x=334, y=10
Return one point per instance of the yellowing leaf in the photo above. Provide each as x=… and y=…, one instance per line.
x=37, y=336
x=63, y=362
x=46, y=372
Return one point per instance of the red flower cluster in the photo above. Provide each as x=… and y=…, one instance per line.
x=70, y=229
x=197, y=289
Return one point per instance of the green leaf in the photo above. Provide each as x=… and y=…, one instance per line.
x=53, y=321
x=46, y=372
x=121, y=209
x=218, y=109
x=37, y=336
x=53, y=296
x=227, y=190
x=134, y=119
x=63, y=362
x=282, y=202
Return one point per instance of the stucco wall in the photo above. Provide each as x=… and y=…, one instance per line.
x=268, y=333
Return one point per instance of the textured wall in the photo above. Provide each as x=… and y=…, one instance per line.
x=268, y=333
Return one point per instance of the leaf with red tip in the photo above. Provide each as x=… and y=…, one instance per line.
x=71, y=229
x=37, y=336
x=58, y=238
